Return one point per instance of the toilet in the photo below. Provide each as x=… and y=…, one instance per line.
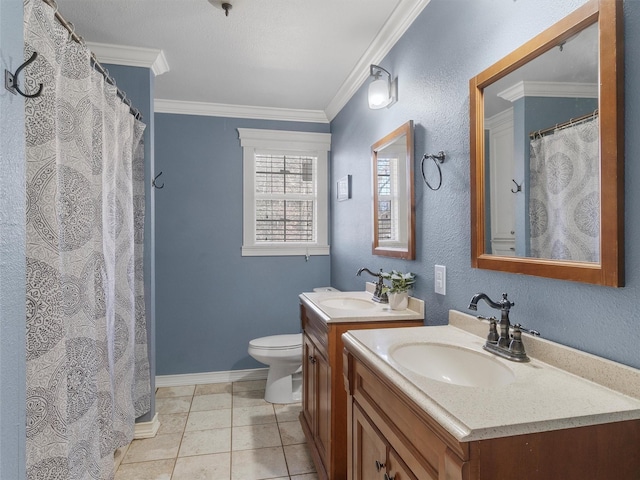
x=283, y=355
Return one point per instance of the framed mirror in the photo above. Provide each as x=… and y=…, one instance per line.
x=393, y=197
x=547, y=153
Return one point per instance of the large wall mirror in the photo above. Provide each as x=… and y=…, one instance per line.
x=547, y=153
x=393, y=199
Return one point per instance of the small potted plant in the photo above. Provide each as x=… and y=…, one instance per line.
x=398, y=292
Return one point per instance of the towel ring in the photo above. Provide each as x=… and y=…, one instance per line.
x=437, y=159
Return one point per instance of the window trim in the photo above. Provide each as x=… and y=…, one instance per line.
x=283, y=141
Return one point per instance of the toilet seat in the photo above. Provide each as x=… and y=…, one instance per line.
x=277, y=342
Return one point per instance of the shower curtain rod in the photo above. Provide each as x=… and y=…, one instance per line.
x=94, y=61
x=558, y=126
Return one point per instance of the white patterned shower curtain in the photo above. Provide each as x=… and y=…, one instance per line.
x=86, y=343
x=564, y=196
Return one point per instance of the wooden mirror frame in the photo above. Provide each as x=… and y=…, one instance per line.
x=610, y=270
x=410, y=252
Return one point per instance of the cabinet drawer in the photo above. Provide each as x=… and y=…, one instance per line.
x=316, y=328
x=417, y=439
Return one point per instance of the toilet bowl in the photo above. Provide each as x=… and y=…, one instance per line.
x=283, y=354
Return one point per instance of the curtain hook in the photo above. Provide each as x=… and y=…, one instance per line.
x=153, y=182
x=11, y=79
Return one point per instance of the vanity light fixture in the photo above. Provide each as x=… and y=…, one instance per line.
x=383, y=91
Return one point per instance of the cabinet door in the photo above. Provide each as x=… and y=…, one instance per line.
x=323, y=405
x=369, y=449
x=309, y=383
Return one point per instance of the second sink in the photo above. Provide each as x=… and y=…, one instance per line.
x=451, y=364
x=347, y=303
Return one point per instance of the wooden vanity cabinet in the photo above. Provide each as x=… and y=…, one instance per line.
x=324, y=398
x=376, y=459
x=388, y=427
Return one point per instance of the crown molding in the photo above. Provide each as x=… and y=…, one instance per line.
x=131, y=56
x=397, y=24
x=504, y=118
x=238, y=111
x=549, y=89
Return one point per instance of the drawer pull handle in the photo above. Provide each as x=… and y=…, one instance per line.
x=312, y=359
x=379, y=465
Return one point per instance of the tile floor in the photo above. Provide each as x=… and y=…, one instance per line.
x=219, y=431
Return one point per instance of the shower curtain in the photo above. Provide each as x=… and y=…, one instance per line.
x=564, y=195
x=86, y=343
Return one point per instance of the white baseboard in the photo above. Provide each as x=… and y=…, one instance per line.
x=211, y=377
x=147, y=429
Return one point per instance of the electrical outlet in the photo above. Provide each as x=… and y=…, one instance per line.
x=440, y=284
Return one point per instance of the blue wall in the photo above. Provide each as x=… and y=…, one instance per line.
x=450, y=42
x=12, y=242
x=210, y=300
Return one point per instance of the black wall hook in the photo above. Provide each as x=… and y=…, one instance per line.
x=11, y=79
x=518, y=187
x=153, y=182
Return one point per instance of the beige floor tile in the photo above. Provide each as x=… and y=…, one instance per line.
x=203, y=442
x=298, y=459
x=306, y=476
x=209, y=388
x=258, y=464
x=249, y=398
x=181, y=391
x=155, y=470
x=211, y=402
x=156, y=448
x=258, y=414
x=209, y=419
x=203, y=467
x=173, y=404
x=255, y=436
x=291, y=433
x=172, y=422
x=288, y=413
x=249, y=385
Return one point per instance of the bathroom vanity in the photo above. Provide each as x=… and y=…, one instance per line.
x=563, y=415
x=325, y=316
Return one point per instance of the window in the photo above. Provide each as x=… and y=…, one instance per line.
x=285, y=192
x=392, y=214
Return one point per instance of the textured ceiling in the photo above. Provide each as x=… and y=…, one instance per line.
x=293, y=54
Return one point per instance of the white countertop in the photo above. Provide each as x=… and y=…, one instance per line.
x=542, y=397
x=375, y=311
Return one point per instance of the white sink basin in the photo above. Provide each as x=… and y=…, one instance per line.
x=451, y=364
x=348, y=303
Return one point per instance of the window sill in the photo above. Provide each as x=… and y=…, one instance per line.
x=283, y=251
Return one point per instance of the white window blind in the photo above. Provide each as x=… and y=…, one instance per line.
x=285, y=198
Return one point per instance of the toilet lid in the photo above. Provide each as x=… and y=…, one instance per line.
x=278, y=342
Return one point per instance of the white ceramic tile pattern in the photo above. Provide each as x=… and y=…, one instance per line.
x=222, y=431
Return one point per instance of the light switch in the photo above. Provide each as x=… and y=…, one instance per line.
x=440, y=279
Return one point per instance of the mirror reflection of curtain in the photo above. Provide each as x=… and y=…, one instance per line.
x=87, y=370
x=564, y=195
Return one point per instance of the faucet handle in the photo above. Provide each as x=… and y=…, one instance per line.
x=492, y=337
x=518, y=327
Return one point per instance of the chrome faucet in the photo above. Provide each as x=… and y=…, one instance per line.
x=502, y=344
x=379, y=295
